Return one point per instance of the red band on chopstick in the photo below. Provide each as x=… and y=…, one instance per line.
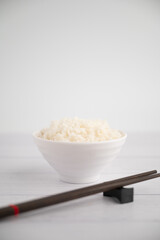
x=15, y=208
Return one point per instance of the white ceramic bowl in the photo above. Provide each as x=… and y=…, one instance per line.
x=79, y=162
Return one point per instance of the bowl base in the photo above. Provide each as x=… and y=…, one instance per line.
x=79, y=180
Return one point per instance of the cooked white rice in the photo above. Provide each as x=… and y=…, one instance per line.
x=79, y=130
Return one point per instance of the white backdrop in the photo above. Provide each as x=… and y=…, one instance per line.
x=91, y=59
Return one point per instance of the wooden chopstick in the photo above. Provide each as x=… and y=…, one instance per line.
x=75, y=194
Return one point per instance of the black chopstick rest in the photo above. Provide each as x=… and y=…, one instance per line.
x=124, y=195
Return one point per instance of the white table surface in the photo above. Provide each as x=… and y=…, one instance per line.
x=25, y=175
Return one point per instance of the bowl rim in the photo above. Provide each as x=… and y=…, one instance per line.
x=34, y=134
